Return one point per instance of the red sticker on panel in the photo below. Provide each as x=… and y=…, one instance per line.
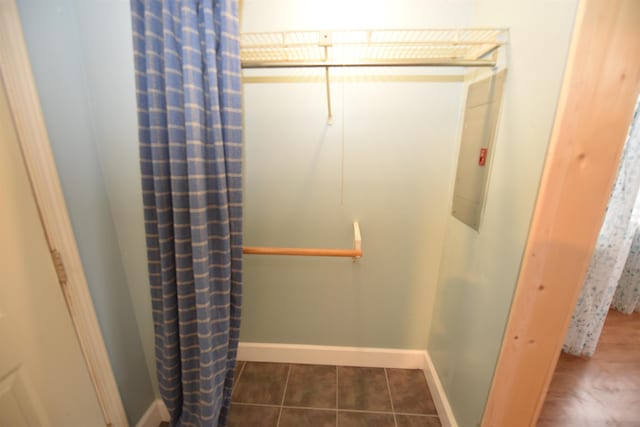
x=482, y=160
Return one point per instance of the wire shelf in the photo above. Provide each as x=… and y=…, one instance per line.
x=451, y=47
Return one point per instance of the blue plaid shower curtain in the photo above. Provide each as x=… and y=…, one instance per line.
x=187, y=65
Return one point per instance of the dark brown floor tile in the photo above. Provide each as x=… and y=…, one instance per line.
x=363, y=389
x=364, y=419
x=409, y=392
x=261, y=383
x=249, y=415
x=417, y=421
x=311, y=386
x=236, y=372
x=293, y=417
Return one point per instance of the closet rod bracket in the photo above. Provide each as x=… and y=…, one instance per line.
x=325, y=41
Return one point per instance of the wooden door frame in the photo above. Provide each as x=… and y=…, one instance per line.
x=15, y=71
x=600, y=89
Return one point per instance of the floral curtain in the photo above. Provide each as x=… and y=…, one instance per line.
x=613, y=272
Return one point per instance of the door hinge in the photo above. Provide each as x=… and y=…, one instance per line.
x=59, y=266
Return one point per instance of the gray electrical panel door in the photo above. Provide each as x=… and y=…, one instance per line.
x=476, y=148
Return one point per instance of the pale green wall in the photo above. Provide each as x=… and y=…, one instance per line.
x=81, y=56
x=400, y=147
x=110, y=79
x=400, y=141
x=479, y=270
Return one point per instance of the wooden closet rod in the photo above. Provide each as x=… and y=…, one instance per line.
x=257, y=250
x=356, y=252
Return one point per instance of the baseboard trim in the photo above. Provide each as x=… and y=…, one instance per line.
x=354, y=356
x=447, y=419
x=331, y=355
x=154, y=415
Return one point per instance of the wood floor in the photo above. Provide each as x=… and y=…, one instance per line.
x=603, y=390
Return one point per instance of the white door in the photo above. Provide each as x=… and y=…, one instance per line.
x=44, y=380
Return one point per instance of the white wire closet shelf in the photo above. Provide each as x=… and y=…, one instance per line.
x=464, y=47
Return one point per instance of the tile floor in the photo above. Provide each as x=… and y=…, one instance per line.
x=283, y=395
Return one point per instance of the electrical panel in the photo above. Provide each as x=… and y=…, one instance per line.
x=476, y=148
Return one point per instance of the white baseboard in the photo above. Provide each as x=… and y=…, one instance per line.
x=154, y=415
x=447, y=419
x=354, y=356
x=331, y=355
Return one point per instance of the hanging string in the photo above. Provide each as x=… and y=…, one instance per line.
x=342, y=142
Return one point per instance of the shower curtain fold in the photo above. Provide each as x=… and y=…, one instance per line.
x=187, y=67
x=627, y=296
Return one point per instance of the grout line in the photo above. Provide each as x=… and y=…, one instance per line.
x=386, y=412
x=417, y=415
x=386, y=377
x=284, y=394
x=266, y=405
x=306, y=408
x=235, y=383
x=334, y=409
x=286, y=406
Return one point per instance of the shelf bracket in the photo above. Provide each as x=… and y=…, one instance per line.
x=357, y=241
x=325, y=39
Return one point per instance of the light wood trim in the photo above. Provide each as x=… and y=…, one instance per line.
x=595, y=109
x=15, y=70
x=356, y=252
